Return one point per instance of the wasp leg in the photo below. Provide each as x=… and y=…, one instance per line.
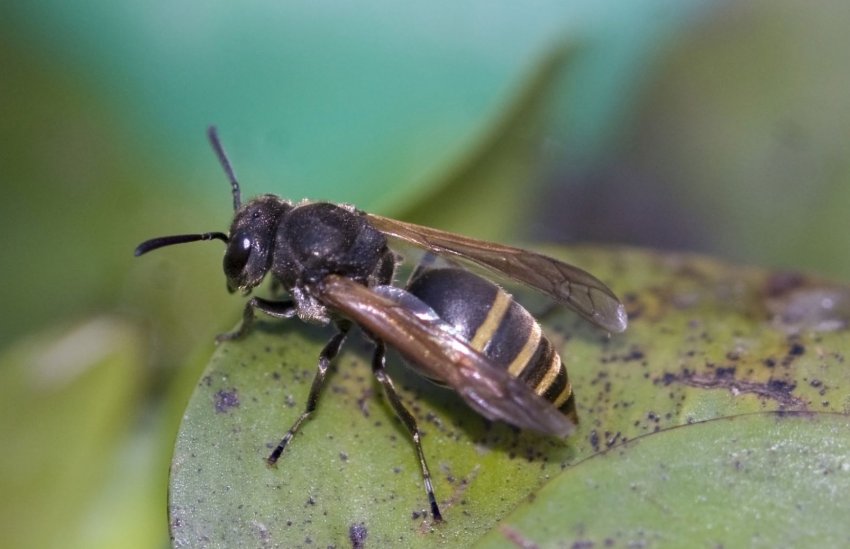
x=325, y=357
x=277, y=309
x=378, y=363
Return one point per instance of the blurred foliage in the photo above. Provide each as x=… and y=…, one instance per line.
x=751, y=112
x=737, y=147
x=721, y=130
x=69, y=398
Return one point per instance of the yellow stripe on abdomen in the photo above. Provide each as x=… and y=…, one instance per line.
x=565, y=394
x=491, y=323
x=522, y=358
x=551, y=374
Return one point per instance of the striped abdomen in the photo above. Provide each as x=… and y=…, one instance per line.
x=498, y=327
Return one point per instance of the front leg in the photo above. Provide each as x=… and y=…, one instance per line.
x=325, y=357
x=276, y=309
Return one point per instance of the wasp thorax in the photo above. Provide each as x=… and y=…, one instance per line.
x=319, y=239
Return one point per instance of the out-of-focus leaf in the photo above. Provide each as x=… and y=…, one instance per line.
x=365, y=103
x=742, y=142
x=706, y=341
x=501, y=171
x=69, y=399
x=78, y=200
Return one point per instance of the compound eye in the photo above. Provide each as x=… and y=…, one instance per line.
x=237, y=255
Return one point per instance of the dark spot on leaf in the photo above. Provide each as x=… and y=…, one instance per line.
x=363, y=402
x=594, y=440
x=611, y=439
x=634, y=354
x=225, y=400
x=780, y=386
x=725, y=373
x=262, y=532
x=796, y=349
x=357, y=534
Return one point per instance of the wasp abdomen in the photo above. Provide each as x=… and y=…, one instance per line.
x=499, y=327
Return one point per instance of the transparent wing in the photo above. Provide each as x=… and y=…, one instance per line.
x=430, y=343
x=565, y=283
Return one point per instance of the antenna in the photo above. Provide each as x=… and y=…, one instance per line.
x=212, y=134
x=155, y=243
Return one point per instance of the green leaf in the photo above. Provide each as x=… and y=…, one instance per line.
x=706, y=341
x=762, y=480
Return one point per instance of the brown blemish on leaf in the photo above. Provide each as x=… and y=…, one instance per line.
x=363, y=401
x=460, y=488
x=225, y=400
x=611, y=439
x=516, y=538
x=262, y=532
x=724, y=378
x=357, y=534
x=594, y=440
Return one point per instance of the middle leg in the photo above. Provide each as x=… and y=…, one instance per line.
x=378, y=368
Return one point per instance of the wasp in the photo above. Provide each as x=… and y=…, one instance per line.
x=454, y=327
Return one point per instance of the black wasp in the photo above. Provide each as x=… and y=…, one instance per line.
x=452, y=326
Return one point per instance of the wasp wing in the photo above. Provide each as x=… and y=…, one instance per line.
x=439, y=353
x=565, y=283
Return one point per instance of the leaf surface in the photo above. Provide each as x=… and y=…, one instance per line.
x=706, y=341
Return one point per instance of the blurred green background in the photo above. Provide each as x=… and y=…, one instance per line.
x=714, y=127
